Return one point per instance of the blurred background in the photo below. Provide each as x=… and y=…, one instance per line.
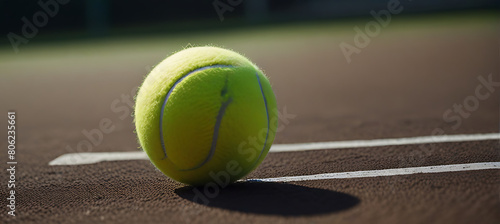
x=70, y=19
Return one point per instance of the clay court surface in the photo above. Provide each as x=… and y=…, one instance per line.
x=399, y=86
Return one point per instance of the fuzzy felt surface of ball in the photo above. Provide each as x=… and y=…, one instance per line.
x=206, y=114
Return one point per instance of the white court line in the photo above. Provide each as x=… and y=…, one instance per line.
x=95, y=157
x=387, y=172
x=384, y=142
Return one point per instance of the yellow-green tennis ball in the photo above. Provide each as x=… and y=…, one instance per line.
x=206, y=114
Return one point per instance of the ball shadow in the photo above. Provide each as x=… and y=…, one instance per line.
x=271, y=198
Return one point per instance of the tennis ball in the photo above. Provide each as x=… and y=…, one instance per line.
x=206, y=114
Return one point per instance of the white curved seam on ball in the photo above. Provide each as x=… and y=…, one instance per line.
x=170, y=92
x=218, y=121
x=267, y=115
